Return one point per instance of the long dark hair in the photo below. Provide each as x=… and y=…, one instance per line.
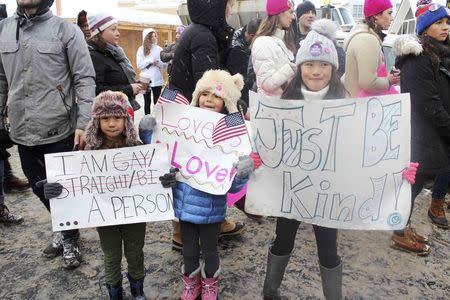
x=294, y=89
x=439, y=52
x=268, y=27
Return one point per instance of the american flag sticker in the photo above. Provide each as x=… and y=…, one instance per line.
x=229, y=126
x=171, y=96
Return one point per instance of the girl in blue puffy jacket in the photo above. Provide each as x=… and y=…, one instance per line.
x=201, y=213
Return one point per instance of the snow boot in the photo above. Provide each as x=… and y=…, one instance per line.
x=436, y=212
x=210, y=286
x=115, y=292
x=8, y=218
x=192, y=285
x=137, y=288
x=409, y=242
x=276, y=265
x=332, y=282
x=229, y=228
x=71, y=253
x=55, y=247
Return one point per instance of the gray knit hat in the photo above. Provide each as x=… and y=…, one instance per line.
x=319, y=44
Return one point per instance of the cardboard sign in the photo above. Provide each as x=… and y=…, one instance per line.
x=203, y=164
x=334, y=163
x=109, y=187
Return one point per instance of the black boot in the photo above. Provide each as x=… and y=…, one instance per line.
x=115, y=292
x=137, y=288
x=8, y=218
x=12, y=182
x=276, y=265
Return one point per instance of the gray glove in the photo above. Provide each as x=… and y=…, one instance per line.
x=148, y=122
x=169, y=180
x=51, y=189
x=244, y=166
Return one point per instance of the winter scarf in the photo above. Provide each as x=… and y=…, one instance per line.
x=119, y=55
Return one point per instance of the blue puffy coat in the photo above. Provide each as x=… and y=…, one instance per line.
x=194, y=206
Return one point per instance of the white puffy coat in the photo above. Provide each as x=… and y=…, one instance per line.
x=273, y=63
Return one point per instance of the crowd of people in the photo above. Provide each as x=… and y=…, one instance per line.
x=65, y=87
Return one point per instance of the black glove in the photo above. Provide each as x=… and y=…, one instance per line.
x=169, y=180
x=5, y=141
x=51, y=189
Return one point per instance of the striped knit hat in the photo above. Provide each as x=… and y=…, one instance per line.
x=99, y=22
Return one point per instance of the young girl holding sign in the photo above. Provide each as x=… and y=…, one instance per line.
x=111, y=127
x=200, y=213
x=316, y=79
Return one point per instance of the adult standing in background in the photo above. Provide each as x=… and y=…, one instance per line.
x=365, y=68
x=424, y=61
x=83, y=24
x=274, y=47
x=11, y=182
x=113, y=69
x=203, y=46
x=44, y=67
x=306, y=14
x=168, y=52
x=148, y=60
x=239, y=55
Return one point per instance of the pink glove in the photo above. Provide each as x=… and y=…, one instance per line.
x=256, y=160
x=410, y=173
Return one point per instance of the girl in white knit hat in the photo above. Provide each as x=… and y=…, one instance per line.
x=315, y=79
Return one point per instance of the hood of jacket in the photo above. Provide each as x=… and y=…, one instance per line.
x=44, y=6
x=404, y=46
x=211, y=13
x=359, y=29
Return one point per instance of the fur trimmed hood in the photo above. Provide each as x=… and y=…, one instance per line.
x=109, y=104
x=407, y=44
x=223, y=85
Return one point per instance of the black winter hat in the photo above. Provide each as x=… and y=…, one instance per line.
x=304, y=7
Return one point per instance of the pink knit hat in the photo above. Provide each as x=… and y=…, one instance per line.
x=373, y=7
x=275, y=7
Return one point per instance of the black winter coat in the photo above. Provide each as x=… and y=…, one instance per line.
x=108, y=73
x=203, y=45
x=238, y=59
x=429, y=88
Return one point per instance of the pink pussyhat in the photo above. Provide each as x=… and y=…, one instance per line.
x=373, y=7
x=275, y=7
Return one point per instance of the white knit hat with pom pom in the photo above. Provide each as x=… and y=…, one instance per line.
x=319, y=44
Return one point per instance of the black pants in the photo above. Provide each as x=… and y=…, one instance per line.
x=204, y=236
x=33, y=166
x=326, y=239
x=148, y=98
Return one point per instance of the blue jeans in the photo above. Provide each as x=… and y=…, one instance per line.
x=440, y=186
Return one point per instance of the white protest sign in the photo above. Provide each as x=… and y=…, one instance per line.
x=110, y=187
x=188, y=131
x=334, y=163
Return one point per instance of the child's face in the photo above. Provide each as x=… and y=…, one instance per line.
x=208, y=100
x=316, y=75
x=112, y=127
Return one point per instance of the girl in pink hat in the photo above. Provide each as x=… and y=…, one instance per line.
x=274, y=47
x=365, y=68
